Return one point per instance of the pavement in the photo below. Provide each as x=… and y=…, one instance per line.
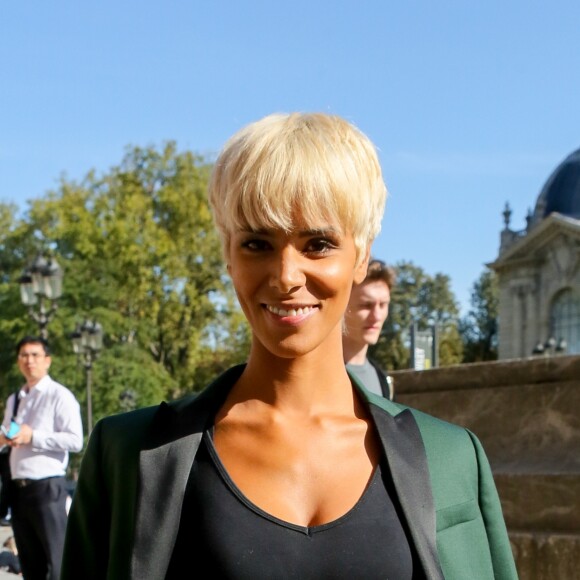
x=5, y=533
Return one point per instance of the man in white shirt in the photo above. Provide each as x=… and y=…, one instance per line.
x=365, y=315
x=48, y=424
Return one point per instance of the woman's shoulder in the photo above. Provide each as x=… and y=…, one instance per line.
x=128, y=419
x=122, y=434
x=134, y=424
x=442, y=426
x=434, y=430
x=450, y=447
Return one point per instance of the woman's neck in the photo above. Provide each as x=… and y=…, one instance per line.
x=311, y=383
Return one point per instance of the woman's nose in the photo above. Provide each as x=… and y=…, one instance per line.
x=287, y=271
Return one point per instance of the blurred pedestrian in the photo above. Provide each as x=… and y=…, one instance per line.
x=42, y=424
x=9, y=561
x=366, y=313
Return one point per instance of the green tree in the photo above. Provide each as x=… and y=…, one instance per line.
x=14, y=247
x=423, y=299
x=141, y=256
x=478, y=328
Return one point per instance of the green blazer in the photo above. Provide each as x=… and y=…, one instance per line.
x=127, y=504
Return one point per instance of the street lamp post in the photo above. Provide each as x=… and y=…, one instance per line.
x=87, y=341
x=40, y=284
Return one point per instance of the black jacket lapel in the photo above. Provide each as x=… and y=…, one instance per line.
x=405, y=452
x=164, y=466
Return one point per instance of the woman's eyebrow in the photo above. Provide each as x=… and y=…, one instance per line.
x=320, y=231
x=251, y=230
x=324, y=231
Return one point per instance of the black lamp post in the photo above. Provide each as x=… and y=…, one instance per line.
x=87, y=341
x=41, y=284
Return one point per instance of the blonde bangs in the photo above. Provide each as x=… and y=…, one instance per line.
x=314, y=167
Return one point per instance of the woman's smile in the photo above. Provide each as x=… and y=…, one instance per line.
x=291, y=314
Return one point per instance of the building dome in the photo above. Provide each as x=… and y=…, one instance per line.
x=561, y=193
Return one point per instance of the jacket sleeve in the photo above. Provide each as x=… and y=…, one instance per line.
x=472, y=539
x=87, y=533
x=100, y=528
x=499, y=545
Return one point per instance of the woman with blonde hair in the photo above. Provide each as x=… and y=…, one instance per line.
x=285, y=466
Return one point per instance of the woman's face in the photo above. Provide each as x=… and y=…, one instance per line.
x=294, y=287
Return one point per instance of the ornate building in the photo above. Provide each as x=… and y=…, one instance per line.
x=538, y=271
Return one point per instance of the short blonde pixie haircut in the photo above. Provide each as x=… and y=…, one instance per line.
x=316, y=164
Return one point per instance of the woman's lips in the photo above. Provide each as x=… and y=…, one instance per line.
x=290, y=311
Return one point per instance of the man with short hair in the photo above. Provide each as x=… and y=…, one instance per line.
x=42, y=424
x=365, y=315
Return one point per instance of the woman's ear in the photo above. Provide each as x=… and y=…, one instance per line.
x=360, y=272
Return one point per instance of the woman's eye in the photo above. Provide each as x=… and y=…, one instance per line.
x=255, y=244
x=320, y=245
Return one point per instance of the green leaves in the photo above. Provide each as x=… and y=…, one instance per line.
x=426, y=300
x=141, y=256
x=479, y=328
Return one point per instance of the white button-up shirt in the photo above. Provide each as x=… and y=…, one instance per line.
x=54, y=415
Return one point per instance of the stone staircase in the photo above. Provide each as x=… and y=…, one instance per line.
x=526, y=413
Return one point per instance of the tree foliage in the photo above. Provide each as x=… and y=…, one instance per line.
x=479, y=328
x=425, y=300
x=141, y=256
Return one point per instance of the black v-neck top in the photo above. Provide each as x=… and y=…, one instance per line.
x=227, y=536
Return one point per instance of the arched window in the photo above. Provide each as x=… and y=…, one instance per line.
x=565, y=319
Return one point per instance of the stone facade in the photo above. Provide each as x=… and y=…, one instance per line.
x=533, y=268
x=527, y=415
x=538, y=270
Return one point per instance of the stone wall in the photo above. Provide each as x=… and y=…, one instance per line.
x=526, y=413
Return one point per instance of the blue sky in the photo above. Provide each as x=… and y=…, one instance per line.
x=471, y=104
